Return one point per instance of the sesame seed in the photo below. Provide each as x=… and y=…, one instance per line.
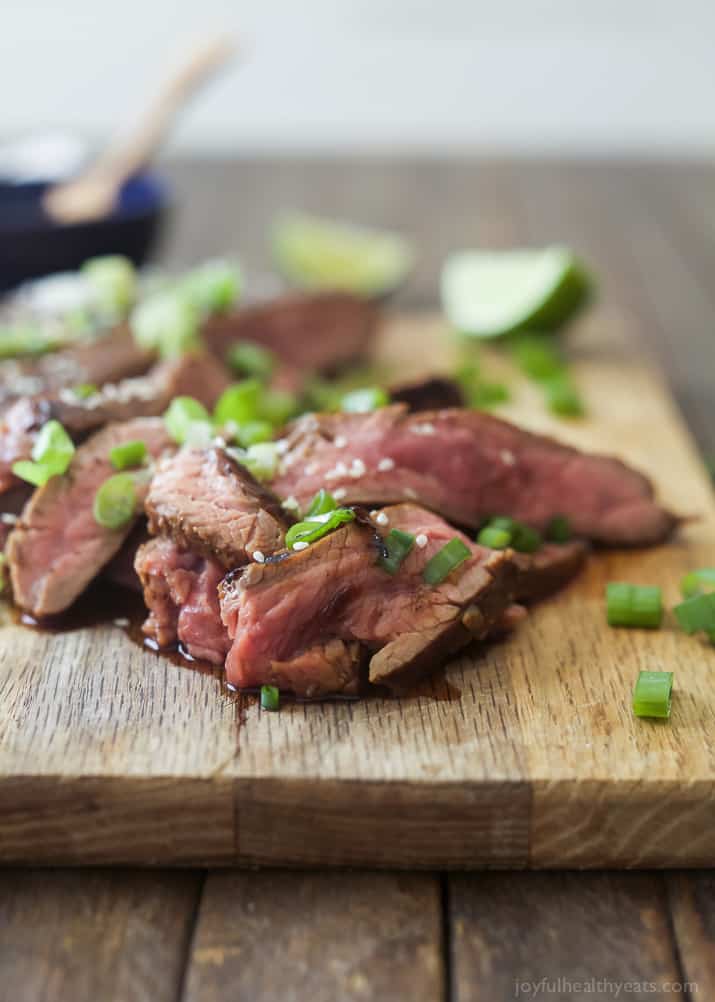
x=231, y=687
x=121, y=622
x=507, y=457
x=339, y=494
x=409, y=492
x=340, y=441
x=282, y=446
x=382, y=519
x=423, y=429
x=290, y=504
x=386, y=464
x=7, y=518
x=310, y=469
x=300, y=545
x=373, y=513
x=358, y=469
x=259, y=557
x=421, y=540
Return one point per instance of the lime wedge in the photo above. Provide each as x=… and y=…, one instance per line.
x=490, y=293
x=315, y=253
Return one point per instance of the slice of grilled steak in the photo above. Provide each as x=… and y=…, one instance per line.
x=57, y=547
x=201, y=376
x=111, y=358
x=336, y=589
x=181, y=592
x=318, y=332
x=468, y=465
x=212, y=505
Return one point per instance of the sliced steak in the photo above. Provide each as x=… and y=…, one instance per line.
x=110, y=358
x=428, y=394
x=468, y=466
x=57, y=547
x=318, y=332
x=200, y=376
x=181, y=591
x=547, y=570
x=210, y=504
x=335, y=590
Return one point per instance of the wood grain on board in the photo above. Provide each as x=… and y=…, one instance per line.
x=524, y=753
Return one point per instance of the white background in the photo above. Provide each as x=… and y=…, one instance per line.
x=533, y=76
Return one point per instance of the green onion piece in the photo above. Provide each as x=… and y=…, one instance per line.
x=113, y=281
x=524, y=539
x=253, y=432
x=494, y=538
x=361, y=401
x=261, y=460
x=452, y=554
x=652, y=694
x=239, y=403
x=182, y=413
x=212, y=287
x=559, y=529
x=32, y=473
x=278, y=406
x=484, y=396
x=698, y=581
x=398, y=545
x=250, y=359
x=25, y=339
x=270, y=697
x=166, y=322
x=503, y=522
x=122, y=457
x=321, y=395
x=51, y=454
x=115, y=502
x=84, y=390
x=311, y=531
x=697, y=613
x=634, y=605
x=322, y=503
x=538, y=356
x=562, y=398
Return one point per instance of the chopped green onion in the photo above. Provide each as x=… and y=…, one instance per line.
x=182, y=413
x=250, y=359
x=559, y=529
x=253, y=432
x=503, y=522
x=129, y=454
x=634, y=605
x=239, y=403
x=270, y=697
x=322, y=503
x=113, y=281
x=697, y=581
x=538, y=356
x=212, y=287
x=311, y=531
x=278, y=406
x=25, y=339
x=84, y=390
x=697, y=613
x=524, y=539
x=361, y=401
x=321, y=395
x=452, y=554
x=115, y=502
x=652, y=694
x=398, y=545
x=484, y=396
x=51, y=454
x=494, y=538
x=562, y=398
x=166, y=322
x=261, y=460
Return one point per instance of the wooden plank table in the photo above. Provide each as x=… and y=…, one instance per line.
x=649, y=234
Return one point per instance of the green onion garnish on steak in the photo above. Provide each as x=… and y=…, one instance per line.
x=310, y=532
x=123, y=457
x=322, y=503
x=115, y=502
x=362, y=401
x=249, y=359
x=51, y=455
x=398, y=544
x=446, y=560
x=270, y=697
x=652, y=694
x=494, y=538
x=182, y=415
x=558, y=530
x=634, y=605
x=239, y=403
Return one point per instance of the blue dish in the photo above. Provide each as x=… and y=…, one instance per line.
x=31, y=244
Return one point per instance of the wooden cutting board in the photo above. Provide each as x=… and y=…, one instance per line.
x=523, y=753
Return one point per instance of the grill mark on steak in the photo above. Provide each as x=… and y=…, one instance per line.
x=319, y=332
x=57, y=547
x=428, y=394
x=201, y=376
x=209, y=503
x=468, y=466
